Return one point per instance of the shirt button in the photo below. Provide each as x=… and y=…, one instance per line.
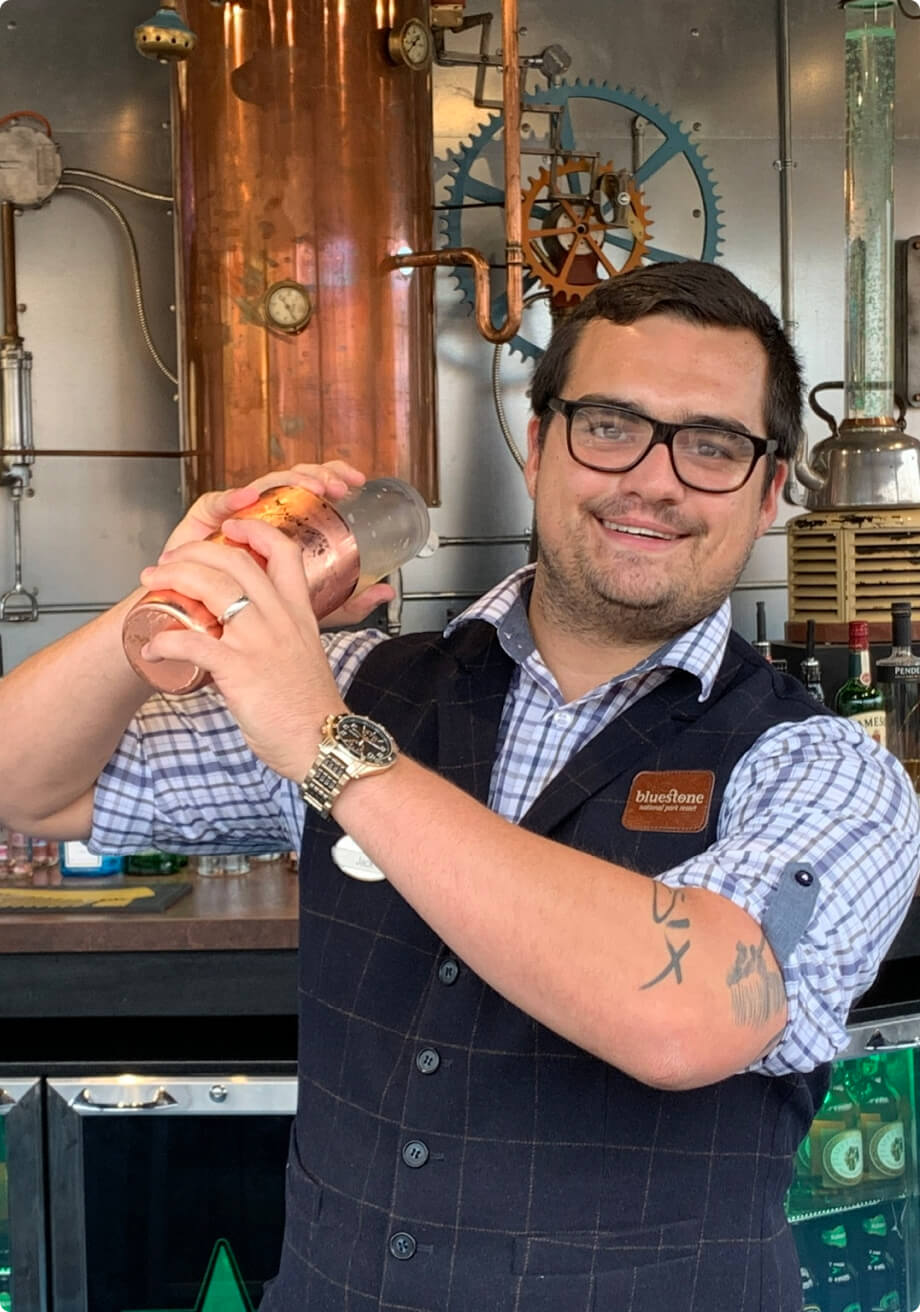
x=415, y=1153
x=448, y=971
x=402, y=1245
x=804, y=877
x=428, y=1061
x=563, y=718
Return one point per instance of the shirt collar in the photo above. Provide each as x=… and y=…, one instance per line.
x=699, y=651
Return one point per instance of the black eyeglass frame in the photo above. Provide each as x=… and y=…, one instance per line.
x=662, y=434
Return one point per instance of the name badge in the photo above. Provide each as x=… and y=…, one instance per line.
x=354, y=861
x=669, y=801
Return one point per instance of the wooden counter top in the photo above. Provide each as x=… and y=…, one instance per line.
x=255, y=911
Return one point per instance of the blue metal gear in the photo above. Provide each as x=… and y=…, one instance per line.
x=466, y=189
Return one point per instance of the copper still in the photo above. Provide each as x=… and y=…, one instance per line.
x=303, y=161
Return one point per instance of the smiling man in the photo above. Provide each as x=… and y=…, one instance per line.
x=559, y=1055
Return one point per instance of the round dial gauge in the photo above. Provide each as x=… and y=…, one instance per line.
x=287, y=306
x=411, y=44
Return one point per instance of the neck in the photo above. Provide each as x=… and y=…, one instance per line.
x=579, y=659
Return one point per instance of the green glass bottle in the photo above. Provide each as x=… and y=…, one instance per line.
x=880, y=1119
x=153, y=862
x=840, y=1282
x=836, y=1142
x=880, y=1275
x=859, y=699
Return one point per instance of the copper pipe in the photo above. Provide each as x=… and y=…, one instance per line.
x=67, y=451
x=10, y=309
x=514, y=254
x=481, y=271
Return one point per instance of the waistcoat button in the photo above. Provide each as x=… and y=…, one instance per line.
x=415, y=1153
x=402, y=1246
x=448, y=971
x=428, y=1061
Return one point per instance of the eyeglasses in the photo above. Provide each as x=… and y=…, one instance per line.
x=613, y=441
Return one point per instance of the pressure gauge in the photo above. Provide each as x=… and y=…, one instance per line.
x=411, y=44
x=287, y=306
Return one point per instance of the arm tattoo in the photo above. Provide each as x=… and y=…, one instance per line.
x=757, y=990
x=664, y=903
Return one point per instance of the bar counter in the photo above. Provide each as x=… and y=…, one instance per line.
x=227, y=948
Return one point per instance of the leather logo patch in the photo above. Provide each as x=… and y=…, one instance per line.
x=675, y=801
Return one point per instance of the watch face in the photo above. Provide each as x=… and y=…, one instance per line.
x=364, y=739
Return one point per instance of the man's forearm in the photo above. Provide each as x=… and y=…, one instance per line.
x=677, y=988
x=63, y=710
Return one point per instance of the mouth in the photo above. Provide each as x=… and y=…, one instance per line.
x=638, y=532
x=634, y=530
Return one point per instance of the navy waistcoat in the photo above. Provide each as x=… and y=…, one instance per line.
x=450, y=1154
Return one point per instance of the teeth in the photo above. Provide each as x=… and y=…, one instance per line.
x=636, y=532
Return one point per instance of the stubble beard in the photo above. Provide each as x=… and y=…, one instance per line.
x=577, y=593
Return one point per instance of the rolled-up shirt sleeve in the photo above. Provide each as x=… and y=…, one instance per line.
x=819, y=841
x=183, y=778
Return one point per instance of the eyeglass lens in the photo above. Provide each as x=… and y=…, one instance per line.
x=612, y=439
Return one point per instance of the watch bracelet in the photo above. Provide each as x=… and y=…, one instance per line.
x=324, y=782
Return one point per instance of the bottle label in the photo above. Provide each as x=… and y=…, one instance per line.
x=873, y=722
x=886, y=1149
x=897, y=673
x=842, y=1157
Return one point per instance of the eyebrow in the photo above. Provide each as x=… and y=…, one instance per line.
x=704, y=420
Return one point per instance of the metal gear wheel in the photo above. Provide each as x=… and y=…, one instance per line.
x=471, y=186
x=564, y=231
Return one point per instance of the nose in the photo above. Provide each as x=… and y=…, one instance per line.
x=653, y=478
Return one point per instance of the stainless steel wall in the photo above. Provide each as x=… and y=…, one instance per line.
x=92, y=524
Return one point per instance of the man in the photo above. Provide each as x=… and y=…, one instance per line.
x=560, y=1054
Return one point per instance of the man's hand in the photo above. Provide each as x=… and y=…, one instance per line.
x=269, y=663
x=332, y=480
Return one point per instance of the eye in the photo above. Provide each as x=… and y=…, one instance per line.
x=608, y=426
x=714, y=444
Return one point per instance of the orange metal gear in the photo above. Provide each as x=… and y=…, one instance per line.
x=564, y=249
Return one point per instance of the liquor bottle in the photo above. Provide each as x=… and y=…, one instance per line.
x=859, y=699
x=152, y=861
x=810, y=1292
x=898, y=677
x=835, y=1139
x=840, y=1282
x=880, y=1121
x=810, y=668
x=762, y=642
x=880, y=1277
x=20, y=857
x=77, y=859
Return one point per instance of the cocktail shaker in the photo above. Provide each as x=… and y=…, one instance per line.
x=346, y=546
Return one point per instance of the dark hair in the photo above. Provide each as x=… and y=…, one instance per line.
x=700, y=293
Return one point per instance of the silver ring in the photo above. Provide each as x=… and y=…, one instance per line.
x=233, y=609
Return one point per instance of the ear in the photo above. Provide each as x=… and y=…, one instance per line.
x=532, y=464
x=770, y=502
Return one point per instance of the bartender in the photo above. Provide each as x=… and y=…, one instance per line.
x=559, y=1054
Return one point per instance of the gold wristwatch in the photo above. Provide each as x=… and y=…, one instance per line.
x=351, y=746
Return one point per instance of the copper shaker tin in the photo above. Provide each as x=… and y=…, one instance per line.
x=331, y=564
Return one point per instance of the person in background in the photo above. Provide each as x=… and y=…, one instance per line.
x=559, y=1054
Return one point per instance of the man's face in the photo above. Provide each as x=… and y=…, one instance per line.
x=638, y=557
